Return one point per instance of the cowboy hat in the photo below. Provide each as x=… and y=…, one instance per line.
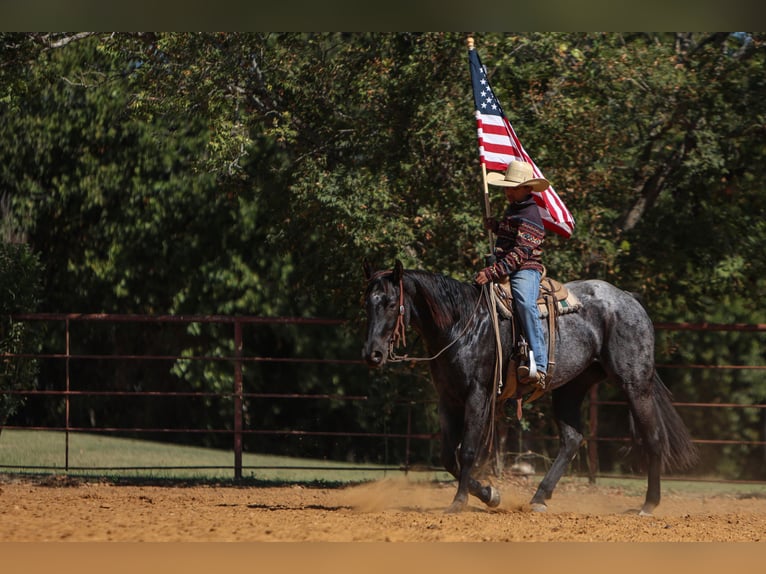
x=517, y=174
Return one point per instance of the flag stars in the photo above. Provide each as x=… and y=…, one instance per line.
x=489, y=97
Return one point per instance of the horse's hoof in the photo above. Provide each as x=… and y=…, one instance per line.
x=494, y=497
x=455, y=508
x=539, y=507
x=643, y=512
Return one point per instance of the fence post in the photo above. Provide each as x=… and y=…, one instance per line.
x=407, y=442
x=592, y=435
x=67, y=353
x=238, y=400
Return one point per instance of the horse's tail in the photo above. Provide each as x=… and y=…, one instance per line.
x=678, y=452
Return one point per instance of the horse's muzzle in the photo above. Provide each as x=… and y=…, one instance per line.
x=374, y=358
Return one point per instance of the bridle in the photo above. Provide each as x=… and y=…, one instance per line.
x=398, y=335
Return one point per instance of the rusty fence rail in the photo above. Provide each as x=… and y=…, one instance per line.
x=595, y=403
x=238, y=395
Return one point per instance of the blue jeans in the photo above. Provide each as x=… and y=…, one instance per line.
x=525, y=286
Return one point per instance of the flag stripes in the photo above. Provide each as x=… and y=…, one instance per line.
x=499, y=145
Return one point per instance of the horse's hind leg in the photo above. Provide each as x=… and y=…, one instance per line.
x=567, y=401
x=650, y=432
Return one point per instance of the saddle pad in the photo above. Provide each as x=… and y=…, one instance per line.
x=570, y=304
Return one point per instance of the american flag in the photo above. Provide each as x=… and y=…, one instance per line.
x=499, y=145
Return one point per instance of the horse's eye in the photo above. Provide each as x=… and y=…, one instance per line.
x=379, y=299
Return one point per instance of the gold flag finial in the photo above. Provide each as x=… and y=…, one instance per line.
x=469, y=41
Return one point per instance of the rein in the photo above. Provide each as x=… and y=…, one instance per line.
x=398, y=335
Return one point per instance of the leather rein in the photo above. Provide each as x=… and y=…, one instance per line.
x=398, y=335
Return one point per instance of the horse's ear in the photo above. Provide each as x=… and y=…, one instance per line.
x=398, y=271
x=367, y=266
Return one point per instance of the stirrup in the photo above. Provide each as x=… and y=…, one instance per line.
x=539, y=380
x=527, y=372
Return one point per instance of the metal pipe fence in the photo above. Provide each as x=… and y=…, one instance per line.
x=238, y=359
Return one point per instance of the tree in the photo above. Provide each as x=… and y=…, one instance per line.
x=19, y=293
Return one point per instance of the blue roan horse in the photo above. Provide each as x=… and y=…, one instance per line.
x=610, y=338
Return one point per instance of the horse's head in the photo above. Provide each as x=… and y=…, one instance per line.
x=383, y=302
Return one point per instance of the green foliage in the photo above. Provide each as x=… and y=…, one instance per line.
x=735, y=378
x=20, y=272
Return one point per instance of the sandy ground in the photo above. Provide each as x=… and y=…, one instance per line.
x=59, y=509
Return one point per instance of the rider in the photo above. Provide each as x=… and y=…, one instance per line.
x=518, y=256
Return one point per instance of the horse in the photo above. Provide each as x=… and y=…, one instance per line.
x=611, y=337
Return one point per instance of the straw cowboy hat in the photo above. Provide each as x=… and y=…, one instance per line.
x=518, y=173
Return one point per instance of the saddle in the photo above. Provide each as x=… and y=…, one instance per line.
x=554, y=300
x=554, y=297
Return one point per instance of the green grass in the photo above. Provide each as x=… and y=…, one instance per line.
x=112, y=457
x=90, y=455
x=675, y=485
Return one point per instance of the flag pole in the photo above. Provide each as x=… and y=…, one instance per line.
x=497, y=378
x=485, y=187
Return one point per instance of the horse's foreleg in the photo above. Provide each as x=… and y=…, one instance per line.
x=467, y=455
x=488, y=494
x=463, y=476
x=451, y=425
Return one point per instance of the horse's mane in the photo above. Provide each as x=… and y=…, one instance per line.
x=447, y=299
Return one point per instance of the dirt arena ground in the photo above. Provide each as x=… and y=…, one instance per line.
x=60, y=509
